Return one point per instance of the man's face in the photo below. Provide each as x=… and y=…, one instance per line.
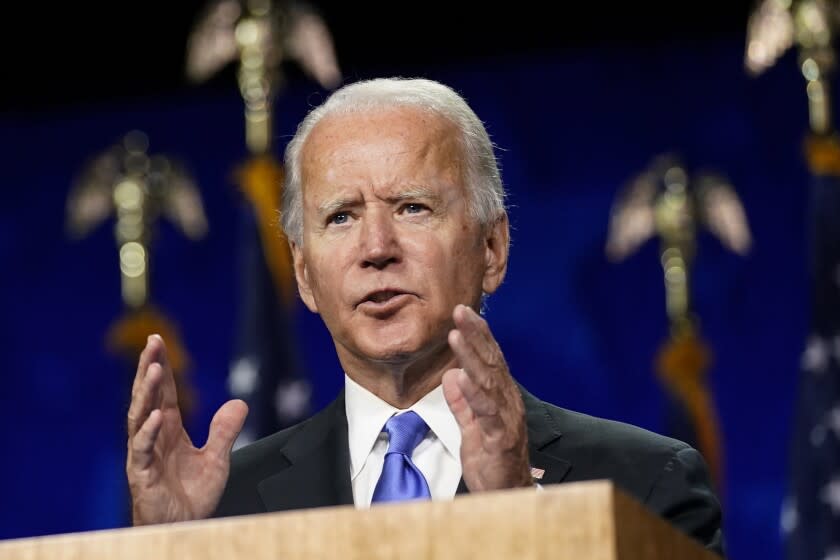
x=389, y=248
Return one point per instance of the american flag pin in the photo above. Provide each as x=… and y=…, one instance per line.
x=536, y=473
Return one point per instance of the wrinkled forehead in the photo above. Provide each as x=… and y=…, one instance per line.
x=352, y=134
x=408, y=142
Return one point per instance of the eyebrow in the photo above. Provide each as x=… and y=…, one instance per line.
x=414, y=193
x=335, y=205
x=418, y=192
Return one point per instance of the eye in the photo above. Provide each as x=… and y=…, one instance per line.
x=339, y=218
x=414, y=208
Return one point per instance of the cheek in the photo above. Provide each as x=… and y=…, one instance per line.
x=325, y=278
x=452, y=270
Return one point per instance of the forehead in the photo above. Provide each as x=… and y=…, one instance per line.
x=408, y=124
x=381, y=146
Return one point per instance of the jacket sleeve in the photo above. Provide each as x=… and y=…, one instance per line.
x=683, y=495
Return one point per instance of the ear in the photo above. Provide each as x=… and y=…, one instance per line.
x=302, y=276
x=496, y=246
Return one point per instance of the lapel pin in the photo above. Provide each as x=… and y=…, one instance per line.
x=536, y=473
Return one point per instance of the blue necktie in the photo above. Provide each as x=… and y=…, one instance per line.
x=400, y=478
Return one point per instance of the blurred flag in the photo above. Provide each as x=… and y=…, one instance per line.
x=266, y=371
x=811, y=516
x=683, y=363
x=811, y=512
x=664, y=202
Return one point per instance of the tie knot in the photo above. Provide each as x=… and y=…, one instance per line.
x=405, y=432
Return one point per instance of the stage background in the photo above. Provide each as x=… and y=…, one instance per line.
x=572, y=126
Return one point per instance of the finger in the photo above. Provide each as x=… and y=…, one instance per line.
x=225, y=426
x=485, y=410
x=477, y=332
x=477, y=369
x=147, y=356
x=169, y=391
x=481, y=399
x=456, y=401
x=145, y=398
x=142, y=445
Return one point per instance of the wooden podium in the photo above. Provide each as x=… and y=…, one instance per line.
x=581, y=521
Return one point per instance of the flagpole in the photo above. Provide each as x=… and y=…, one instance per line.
x=258, y=35
x=665, y=202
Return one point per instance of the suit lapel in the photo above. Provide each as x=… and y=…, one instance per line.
x=462, y=487
x=543, y=431
x=317, y=472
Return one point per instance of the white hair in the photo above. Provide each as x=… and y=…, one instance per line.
x=487, y=194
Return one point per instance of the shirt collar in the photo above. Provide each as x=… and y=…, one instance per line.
x=367, y=414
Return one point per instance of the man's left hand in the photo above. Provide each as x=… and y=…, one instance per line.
x=488, y=407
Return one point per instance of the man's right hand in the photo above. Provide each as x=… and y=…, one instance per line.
x=169, y=478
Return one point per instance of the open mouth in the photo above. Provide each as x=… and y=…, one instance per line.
x=384, y=301
x=382, y=297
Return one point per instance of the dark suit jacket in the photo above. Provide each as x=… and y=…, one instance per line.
x=308, y=465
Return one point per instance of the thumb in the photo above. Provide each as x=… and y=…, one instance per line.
x=225, y=426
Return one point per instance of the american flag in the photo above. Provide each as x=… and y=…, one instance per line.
x=811, y=513
x=266, y=368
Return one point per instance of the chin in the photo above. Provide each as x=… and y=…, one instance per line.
x=396, y=342
x=389, y=351
x=400, y=338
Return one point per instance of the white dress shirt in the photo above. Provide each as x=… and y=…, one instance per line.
x=437, y=456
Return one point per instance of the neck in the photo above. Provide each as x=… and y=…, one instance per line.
x=400, y=383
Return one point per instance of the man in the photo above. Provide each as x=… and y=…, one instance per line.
x=394, y=210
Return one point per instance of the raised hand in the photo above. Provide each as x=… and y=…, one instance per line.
x=169, y=478
x=488, y=407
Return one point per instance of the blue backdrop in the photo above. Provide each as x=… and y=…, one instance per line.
x=572, y=128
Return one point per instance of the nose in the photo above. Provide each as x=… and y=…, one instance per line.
x=379, y=241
